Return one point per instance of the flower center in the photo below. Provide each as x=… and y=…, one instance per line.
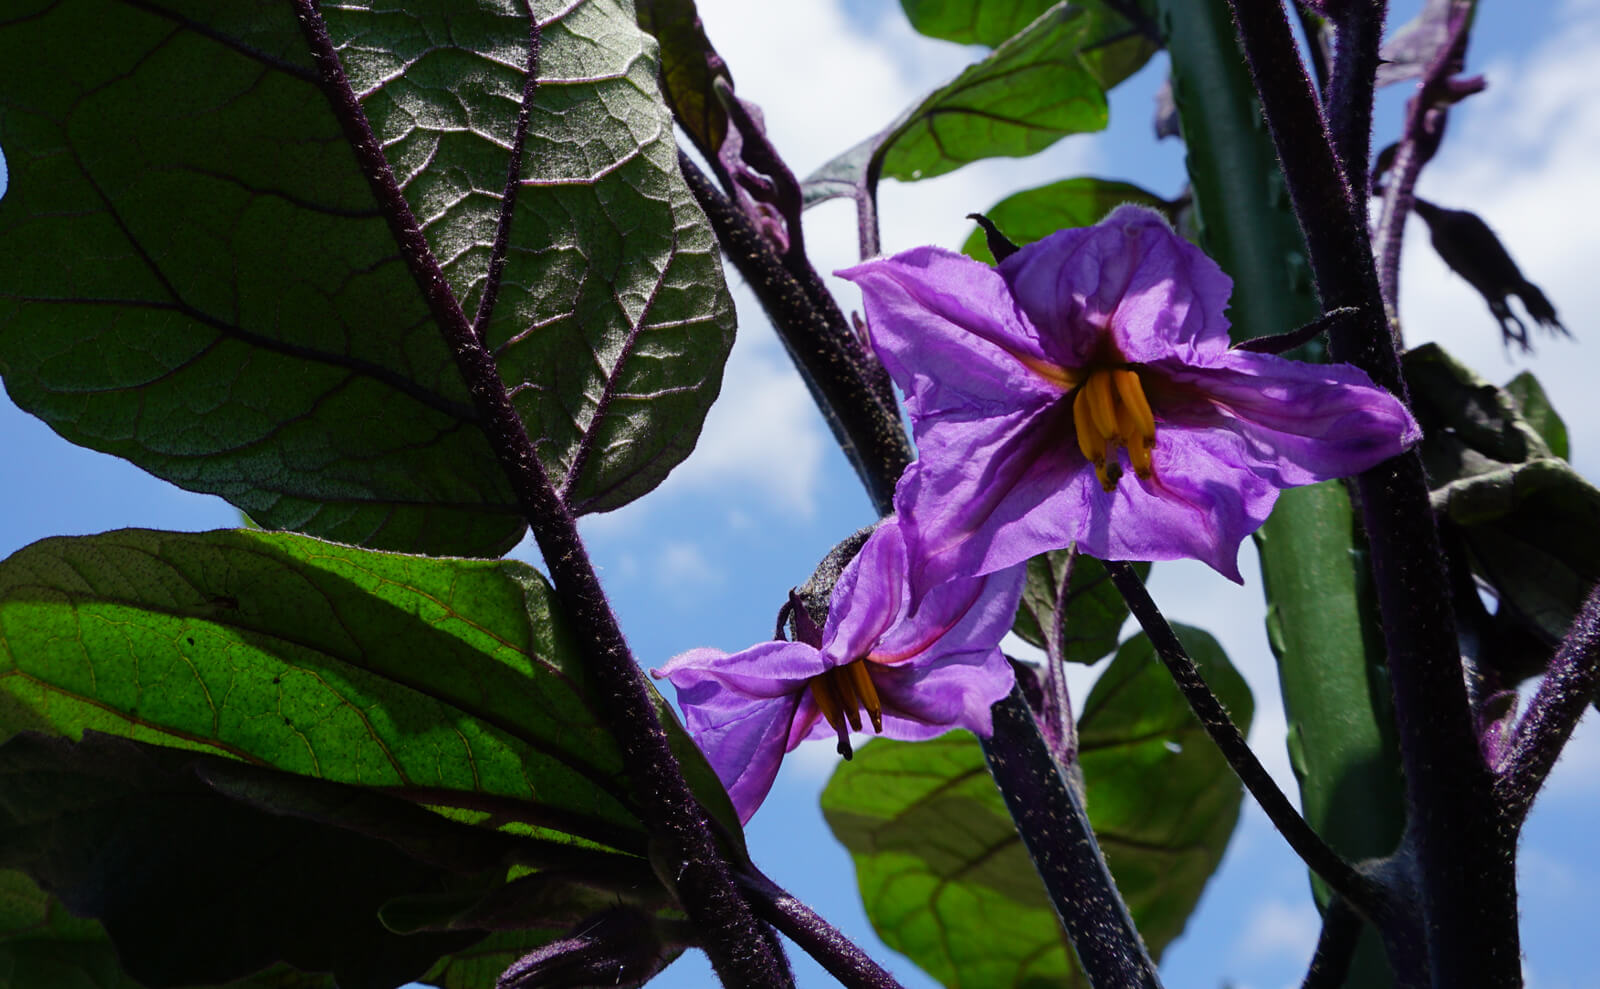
x=1111, y=411
x=841, y=693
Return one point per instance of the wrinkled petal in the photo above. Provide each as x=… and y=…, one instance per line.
x=1014, y=489
x=1300, y=423
x=987, y=494
x=957, y=616
x=924, y=700
x=740, y=707
x=767, y=669
x=1130, y=276
x=869, y=596
x=944, y=327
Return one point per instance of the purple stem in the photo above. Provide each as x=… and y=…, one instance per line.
x=1336, y=946
x=862, y=415
x=1340, y=876
x=1055, y=829
x=1563, y=696
x=732, y=936
x=1426, y=114
x=1464, y=856
x=842, y=958
x=1359, y=29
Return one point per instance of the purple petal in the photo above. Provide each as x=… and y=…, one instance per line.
x=946, y=330
x=921, y=700
x=1130, y=276
x=1300, y=423
x=958, y=616
x=987, y=496
x=982, y=495
x=740, y=709
x=869, y=596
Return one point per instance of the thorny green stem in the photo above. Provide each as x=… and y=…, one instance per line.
x=1465, y=855
x=733, y=938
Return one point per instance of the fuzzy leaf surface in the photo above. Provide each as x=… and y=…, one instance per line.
x=196, y=276
x=449, y=682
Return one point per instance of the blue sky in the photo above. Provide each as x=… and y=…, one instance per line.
x=706, y=559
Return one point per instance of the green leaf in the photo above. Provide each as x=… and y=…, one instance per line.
x=1113, y=52
x=944, y=876
x=194, y=888
x=1531, y=523
x=453, y=682
x=1034, y=214
x=689, y=69
x=195, y=275
x=1536, y=410
x=42, y=944
x=1095, y=611
x=1024, y=96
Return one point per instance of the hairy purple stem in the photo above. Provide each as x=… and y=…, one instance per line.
x=1465, y=855
x=842, y=958
x=864, y=418
x=1359, y=27
x=733, y=937
x=1055, y=829
x=1563, y=696
x=1424, y=129
x=1321, y=859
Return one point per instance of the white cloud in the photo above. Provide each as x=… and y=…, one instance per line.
x=764, y=435
x=1279, y=929
x=682, y=567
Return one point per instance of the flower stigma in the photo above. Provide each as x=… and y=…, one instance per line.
x=1111, y=411
x=841, y=693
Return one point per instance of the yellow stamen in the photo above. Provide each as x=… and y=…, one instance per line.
x=1111, y=411
x=1102, y=405
x=827, y=701
x=1089, y=440
x=867, y=692
x=1131, y=391
x=849, y=700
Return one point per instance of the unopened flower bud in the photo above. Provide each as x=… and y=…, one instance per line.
x=1472, y=251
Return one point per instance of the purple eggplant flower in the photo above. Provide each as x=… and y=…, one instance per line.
x=916, y=675
x=1084, y=391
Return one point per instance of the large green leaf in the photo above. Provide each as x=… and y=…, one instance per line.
x=1034, y=214
x=944, y=876
x=195, y=275
x=452, y=682
x=195, y=888
x=1530, y=522
x=43, y=945
x=1024, y=96
x=1095, y=611
x=1113, y=51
